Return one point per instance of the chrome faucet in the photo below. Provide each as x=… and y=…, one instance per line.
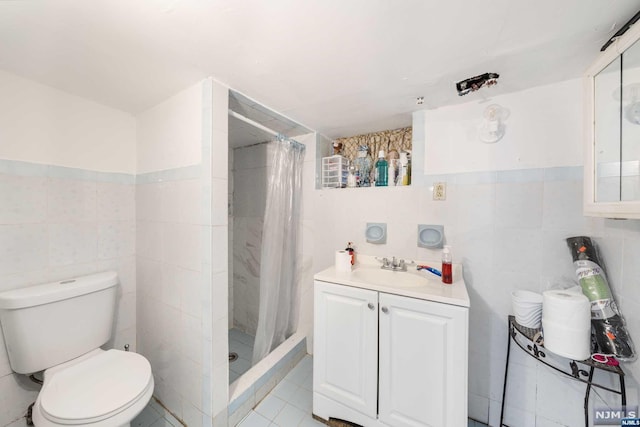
x=394, y=264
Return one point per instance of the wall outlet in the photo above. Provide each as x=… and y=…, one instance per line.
x=439, y=191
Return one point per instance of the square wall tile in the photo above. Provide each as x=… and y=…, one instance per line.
x=72, y=243
x=23, y=248
x=115, y=202
x=70, y=200
x=116, y=239
x=24, y=199
x=519, y=204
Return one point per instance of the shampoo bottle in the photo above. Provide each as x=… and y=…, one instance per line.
x=447, y=270
x=352, y=182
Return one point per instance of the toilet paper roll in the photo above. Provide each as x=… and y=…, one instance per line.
x=567, y=342
x=343, y=261
x=567, y=307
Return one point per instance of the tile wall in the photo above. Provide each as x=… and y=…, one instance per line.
x=171, y=289
x=57, y=223
x=182, y=264
x=250, y=174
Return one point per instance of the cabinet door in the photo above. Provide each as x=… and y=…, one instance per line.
x=346, y=346
x=423, y=363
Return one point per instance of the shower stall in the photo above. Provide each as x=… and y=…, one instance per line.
x=265, y=173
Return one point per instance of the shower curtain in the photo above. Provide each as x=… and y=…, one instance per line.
x=280, y=261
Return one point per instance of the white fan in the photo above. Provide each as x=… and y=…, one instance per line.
x=492, y=128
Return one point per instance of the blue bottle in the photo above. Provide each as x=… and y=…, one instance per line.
x=382, y=171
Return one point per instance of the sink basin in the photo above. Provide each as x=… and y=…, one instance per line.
x=423, y=285
x=378, y=276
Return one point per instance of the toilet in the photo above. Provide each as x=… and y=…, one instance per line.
x=59, y=328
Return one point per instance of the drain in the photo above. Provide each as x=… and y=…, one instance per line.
x=233, y=357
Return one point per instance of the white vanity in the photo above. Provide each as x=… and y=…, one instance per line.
x=391, y=348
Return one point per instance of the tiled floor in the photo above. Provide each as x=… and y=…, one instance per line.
x=289, y=403
x=155, y=415
x=240, y=343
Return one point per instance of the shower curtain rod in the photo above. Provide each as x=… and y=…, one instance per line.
x=264, y=128
x=253, y=123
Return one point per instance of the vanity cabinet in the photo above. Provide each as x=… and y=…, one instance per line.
x=612, y=150
x=388, y=360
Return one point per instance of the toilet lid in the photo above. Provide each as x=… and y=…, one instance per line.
x=96, y=387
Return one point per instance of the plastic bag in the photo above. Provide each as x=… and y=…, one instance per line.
x=609, y=328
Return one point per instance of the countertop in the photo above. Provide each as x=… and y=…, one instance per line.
x=418, y=284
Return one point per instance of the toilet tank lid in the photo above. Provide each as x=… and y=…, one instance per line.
x=57, y=291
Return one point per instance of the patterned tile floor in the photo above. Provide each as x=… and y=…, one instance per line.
x=242, y=344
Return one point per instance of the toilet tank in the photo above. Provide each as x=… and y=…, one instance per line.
x=46, y=325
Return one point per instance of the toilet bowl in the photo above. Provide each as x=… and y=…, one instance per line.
x=59, y=328
x=101, y=389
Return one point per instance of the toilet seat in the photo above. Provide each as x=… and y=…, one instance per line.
x=98, y=387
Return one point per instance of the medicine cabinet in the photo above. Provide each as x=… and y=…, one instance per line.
x=612, y=151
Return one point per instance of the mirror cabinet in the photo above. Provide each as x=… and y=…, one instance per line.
x=612, y=151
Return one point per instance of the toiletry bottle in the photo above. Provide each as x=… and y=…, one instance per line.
x=352, y=252
x=403, y=168
x=382, y=170
x=447, y=271
x=351, y=178
x=392, y=172
x=407, y=176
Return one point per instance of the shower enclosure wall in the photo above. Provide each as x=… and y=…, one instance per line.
x=249, y=188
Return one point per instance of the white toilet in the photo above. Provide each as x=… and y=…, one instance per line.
x=59, y=327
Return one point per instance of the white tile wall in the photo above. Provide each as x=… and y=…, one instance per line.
x=250, y=174
x=56, y=228
x=181, y=236
x=169, y=311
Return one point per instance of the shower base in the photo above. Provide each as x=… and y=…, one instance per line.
x=247, y=391
x=241, y=344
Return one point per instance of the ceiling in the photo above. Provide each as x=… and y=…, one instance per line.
x=341, y=67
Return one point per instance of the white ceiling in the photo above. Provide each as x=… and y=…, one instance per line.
x=341, y=67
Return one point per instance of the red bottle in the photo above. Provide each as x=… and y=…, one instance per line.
x=447, y=270
x=352, y=252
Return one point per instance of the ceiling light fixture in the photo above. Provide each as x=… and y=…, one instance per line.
x=472, y=84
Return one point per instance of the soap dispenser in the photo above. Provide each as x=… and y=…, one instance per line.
x=447, y=267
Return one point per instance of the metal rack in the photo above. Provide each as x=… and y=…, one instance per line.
x=575, y=369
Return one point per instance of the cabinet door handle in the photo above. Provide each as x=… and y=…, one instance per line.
x=371, y=306
x=385, y=310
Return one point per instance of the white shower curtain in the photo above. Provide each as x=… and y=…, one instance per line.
x=280, y=261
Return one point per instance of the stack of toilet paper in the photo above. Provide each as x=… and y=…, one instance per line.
x=566, y=323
